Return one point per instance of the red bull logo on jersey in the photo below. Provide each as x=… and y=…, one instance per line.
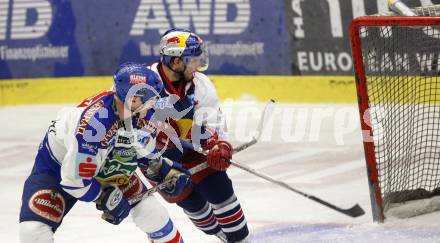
x=137, y=79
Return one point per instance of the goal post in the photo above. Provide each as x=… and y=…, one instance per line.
x=397, y=69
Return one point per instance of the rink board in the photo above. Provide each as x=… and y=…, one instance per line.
x=300, y=89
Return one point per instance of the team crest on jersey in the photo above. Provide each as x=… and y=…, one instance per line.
x=48, y=204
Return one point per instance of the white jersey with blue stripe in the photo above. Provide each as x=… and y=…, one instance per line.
x=78, y=143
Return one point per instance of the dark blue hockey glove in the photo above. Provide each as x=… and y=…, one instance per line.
x=162, y=170
x=178, y=178
x=116, y=208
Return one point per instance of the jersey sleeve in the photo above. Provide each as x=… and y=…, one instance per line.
x=77, y=174
x=207, y=110
x=84, y=156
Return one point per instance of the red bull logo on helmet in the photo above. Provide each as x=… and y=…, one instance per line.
x=179, y=39
x=137, y=79
x=174, y=40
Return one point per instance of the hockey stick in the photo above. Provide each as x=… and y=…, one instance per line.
x=193, y=170
x=354, y=211
x=267, y=113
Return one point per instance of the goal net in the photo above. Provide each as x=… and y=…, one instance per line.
x=397, y=67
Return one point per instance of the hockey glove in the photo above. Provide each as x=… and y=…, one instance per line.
x=219, y=154
x=164, y=170
x=114, y=205
x=178, y=181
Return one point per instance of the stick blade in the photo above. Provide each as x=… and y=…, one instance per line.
x=354, y=211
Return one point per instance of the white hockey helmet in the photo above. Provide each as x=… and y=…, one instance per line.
x=186, y=45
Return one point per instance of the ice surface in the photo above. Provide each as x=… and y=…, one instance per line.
x=314, y=148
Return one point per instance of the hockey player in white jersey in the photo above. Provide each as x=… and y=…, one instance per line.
x=90, y=153
x=210, y=203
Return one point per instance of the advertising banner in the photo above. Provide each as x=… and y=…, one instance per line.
x=319, y=35
x=57, y=38
x=42, y=38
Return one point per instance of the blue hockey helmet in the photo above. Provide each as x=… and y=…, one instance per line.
x=186, y=45
x=135, y=79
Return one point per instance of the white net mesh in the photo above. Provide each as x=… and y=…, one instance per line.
x=402, y=65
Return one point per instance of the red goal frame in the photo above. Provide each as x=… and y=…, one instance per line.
x=363, y=100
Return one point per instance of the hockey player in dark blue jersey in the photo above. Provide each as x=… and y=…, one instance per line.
x=90, y=153
x=210, y=203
